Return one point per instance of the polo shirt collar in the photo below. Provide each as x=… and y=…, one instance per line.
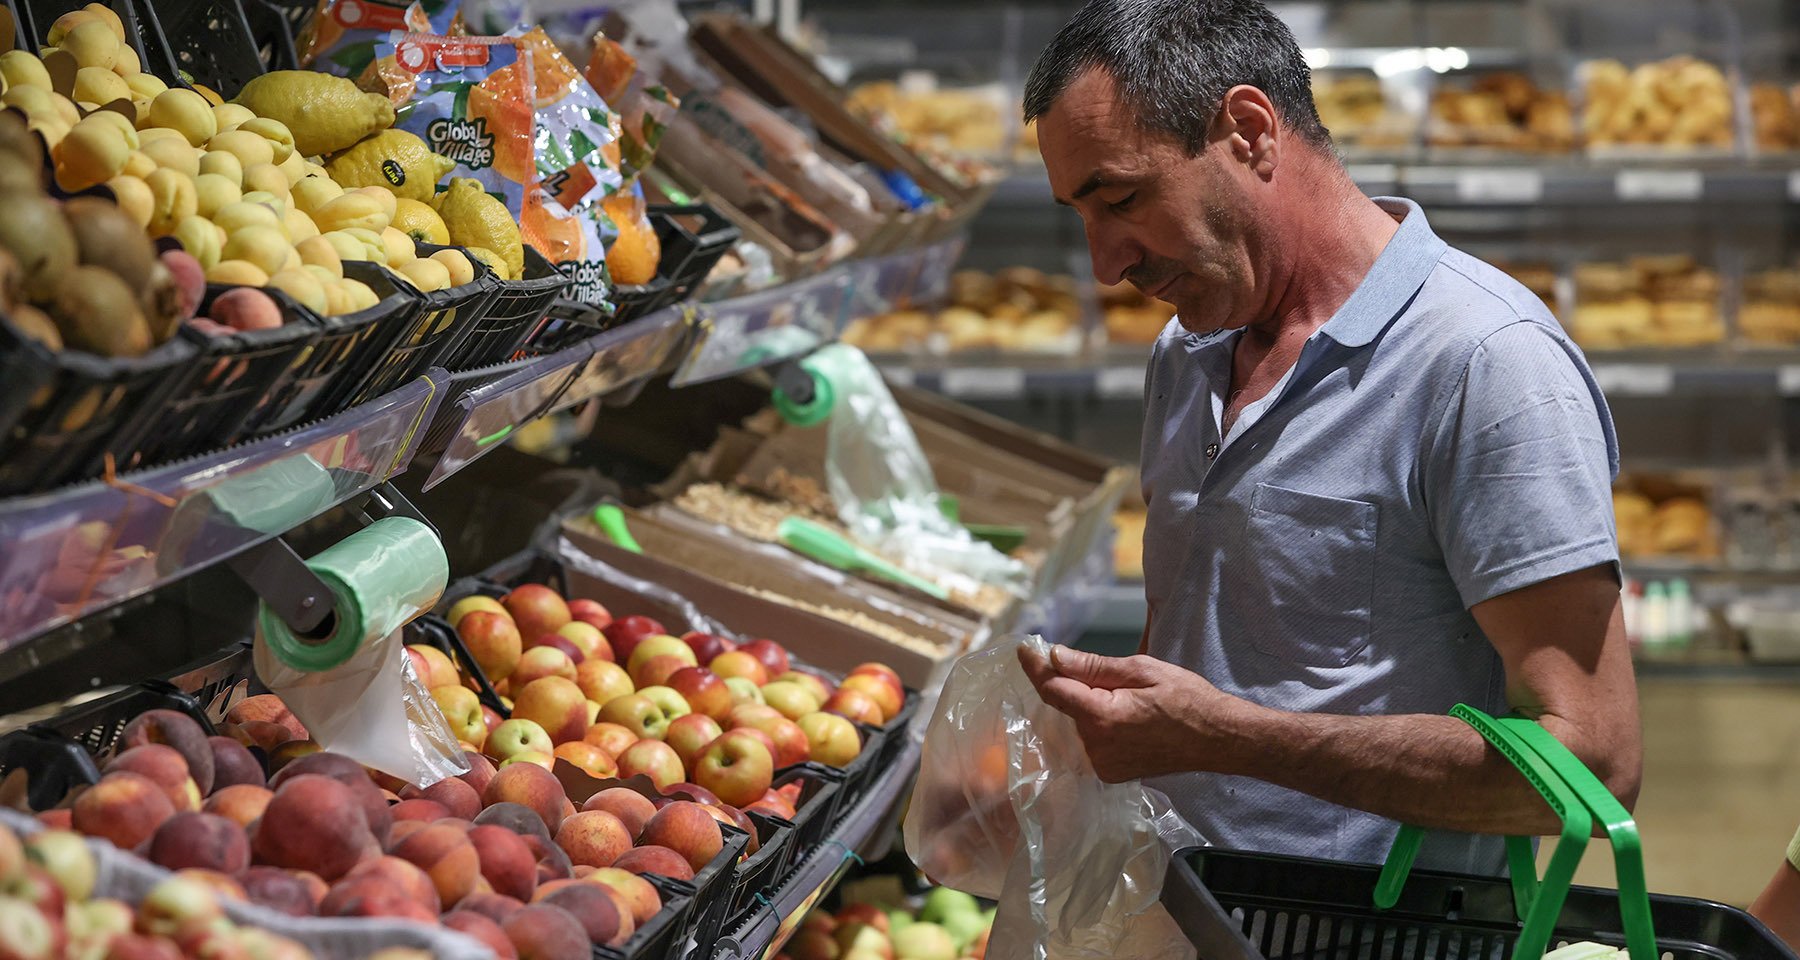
x=1410, y=256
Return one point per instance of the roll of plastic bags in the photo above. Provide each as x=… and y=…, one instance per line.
x=1008, y=807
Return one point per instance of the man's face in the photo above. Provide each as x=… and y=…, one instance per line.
x=1178, y=227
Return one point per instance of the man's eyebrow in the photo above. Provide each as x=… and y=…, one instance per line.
x=1097, y=180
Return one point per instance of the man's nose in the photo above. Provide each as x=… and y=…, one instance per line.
x=1113, y=253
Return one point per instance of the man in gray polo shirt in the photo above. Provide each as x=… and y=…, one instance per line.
x=1379, y=475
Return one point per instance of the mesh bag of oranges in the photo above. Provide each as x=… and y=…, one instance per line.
x=471, y=102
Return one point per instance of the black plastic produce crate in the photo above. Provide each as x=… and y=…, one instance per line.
x=1300, y=908
x=210, y=41
x=665, y=936
x=511, y=317
x=62, y=412
x=713, y=887
x=438, y=322
x=272, y=31
x=320, y=384
x=236, y=381
x=817, y=811
x=630, y=302
x=693, y=237
x=434, y=631
x=758, y=873
x=568, y=323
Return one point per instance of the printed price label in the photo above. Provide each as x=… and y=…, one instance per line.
x=1499, y=186
x=994, y=383
x=1635, y=379
x=1120, y=382
x=1659, y=184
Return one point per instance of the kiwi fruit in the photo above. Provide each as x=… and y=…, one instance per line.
x=98, y=313
x=107, y=236
x=35, y=325
x=38, y=237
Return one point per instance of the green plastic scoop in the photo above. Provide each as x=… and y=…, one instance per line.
x=828, y=547
x=611, y=521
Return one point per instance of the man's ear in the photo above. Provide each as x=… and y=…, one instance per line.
x=1252, y=129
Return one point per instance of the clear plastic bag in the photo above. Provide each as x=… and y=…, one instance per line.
x=1008, y=807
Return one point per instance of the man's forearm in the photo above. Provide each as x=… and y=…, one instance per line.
x=1430, y=771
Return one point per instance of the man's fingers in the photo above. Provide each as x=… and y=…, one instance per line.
x=1063, y=693
x=1107, y=673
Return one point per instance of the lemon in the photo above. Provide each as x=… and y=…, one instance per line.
x=325, y=113
x=351, y=210
x=476, y=219
x=133, y=195
x=393, y=159
x=461, y=270
x=302, y=286
x=185, y=112
x=317, y=251
x=238, y=272
x=201, y=239
x=420, y=222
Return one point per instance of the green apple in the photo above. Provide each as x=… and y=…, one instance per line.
x=941, y=902
x=672, y=703
x=743, y=690
x=924, y=941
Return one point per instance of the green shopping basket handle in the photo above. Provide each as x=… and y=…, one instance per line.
x=1538, y=903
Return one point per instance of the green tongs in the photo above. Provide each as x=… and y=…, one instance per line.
x=832, y=549
x=1579, y=798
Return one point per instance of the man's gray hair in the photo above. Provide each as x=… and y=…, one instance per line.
x=1173, y=60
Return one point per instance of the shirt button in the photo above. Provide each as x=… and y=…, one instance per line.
x=1212, y=450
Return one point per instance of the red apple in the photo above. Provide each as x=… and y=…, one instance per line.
x=736, y=767
x=821, y=688
x=706, y=646
x=792, y=699
x=772, y=655
x=831, y=739
x=863, y=913
x=690, y=735
x=595, y=761
x=603, y=680
x=537, y=609
x=885, y=695
x=665, y=697
x=764, y=739
x=560, y=642
x=587, y=638
x=654, y=759
x=493, y=640
x=703, y=690
x=610, y=737
x=855, y=706
x=590, y=612
x=739, y=663
x=637, y=713
x=537, y=663
x=433, y=668
x=470, y=604
x=626, y=633
x=462, y=709
x=656, y=671
x=880, y=670
x=556, y=704
x=491, y=718
x=743, y=691
x=789, y=742
x=658, y=646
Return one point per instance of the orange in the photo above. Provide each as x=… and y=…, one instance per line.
x=634, y=254
x=556, y=235
x=552, y=73
x=503, y=101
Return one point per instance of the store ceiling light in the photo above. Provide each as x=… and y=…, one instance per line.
x=1317, y=58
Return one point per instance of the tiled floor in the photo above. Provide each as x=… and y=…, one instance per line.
x=1721, y=791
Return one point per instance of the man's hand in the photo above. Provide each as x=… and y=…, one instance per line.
x=1138, y=716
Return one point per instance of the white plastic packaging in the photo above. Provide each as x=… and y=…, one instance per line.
x=1008, y=807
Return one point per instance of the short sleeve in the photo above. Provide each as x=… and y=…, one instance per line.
x=1519, y=472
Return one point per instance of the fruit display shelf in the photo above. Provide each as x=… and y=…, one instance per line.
x=79, y=549
x=865, y=827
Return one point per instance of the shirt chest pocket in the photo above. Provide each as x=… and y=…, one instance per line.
x=1307, y=578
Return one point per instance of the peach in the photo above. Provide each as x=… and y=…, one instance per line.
x=531, y=786
x=518, y=818
x=556, y=704
x=418, y=808
x=706, y=646
x=606, y=923
x=743, y=691
x=767, y=741
x=657, y=670
x=654, y=759
x=493, y=640
x=462, y=708
x=704, y=691
x=537, y=663
x=611, y=737
x=590, y=612
x=349, y=773
x=124, y=807
x=507, y=862
x=284, y=891
x=403, y=829
x=594, y=761
x=659, y=860
x=888, y=696
x=134, y=946
x=63, y=819
x=459, y=798
x=167, y=768
x=603, y=680
x=177, y=730
x=432, y=666
x=637, y=894
x=552, y=862
x=536, y=609
x=686, y=828
x=632, y=809
x=314, y=823
x=595, y=838
x=536, y=757
x=544, y=932
x=739, y=663
x=481, y=770
x=200, y=840
x=397, y=874
x=494, y=906
x=689, y=735
x=587, y=639
x=446, y=856
x=483, y=930
x=222, y=884
x=372, y=897
x=267, y=708
x=233, y=764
